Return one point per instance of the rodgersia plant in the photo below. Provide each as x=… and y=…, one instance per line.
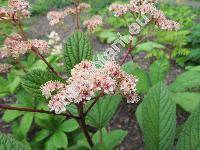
x=86, y=92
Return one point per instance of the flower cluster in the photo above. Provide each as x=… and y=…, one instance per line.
x=15, y=45
x=17, y=9
x=143, y=7
x=4, y=68
x=92, y=23
x=56, y=17
x=118, y=9
x=54, y=42
x=86, y=81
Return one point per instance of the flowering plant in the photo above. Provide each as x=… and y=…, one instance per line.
x=86, y=87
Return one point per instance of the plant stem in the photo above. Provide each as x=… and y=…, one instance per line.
x=23, y=34
x=77, y=16
x=6, y=107
x=93, y=103
x=83, y=125
x=130, y=48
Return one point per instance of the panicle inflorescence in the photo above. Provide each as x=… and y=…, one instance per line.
x=17, y=9
x=56, y=17
x=145, y=7
x=86, y=80
x=92, y=23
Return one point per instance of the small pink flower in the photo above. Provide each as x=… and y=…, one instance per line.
x=51, y=86
x=83, y=6
x=41, y=45
x=118, y=9
x=93, y=23
x=55, y=17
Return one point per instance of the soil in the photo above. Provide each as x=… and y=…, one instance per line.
x=125, y=117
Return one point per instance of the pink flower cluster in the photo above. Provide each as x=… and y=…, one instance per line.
x=145, y=7
x=15, y=46
x=86, y=81
x=4, y=68
x=92, y=23
x=17, y=9
x=56, y=17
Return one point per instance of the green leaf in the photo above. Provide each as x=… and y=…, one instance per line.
x=111, y=139
x=158, y=70
x=76, y=49
x=10, y=115
x=158, y=118
x=187, y=100
x=185, y=81
x=9, y=143
x=33, y=80
x=189, y=138
x=103, y=111
x=49, y=145
x=114, y=138
x=144, y=82
x=25, y=98
x=26, y=122
x=60, y=139
x=41, y=135
x=69, y=126
x=148, y=46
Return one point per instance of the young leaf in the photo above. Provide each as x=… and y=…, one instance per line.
x=103, y=111
x=26, y=123
x=187, y=100
x=158, y=118
x=68, y=126
x=158, y=70
x=76, y=49
x=189, y=138
x=33, y=80
x=187, y=80
x=9, y=143
x=42, y=134
x=60, y=139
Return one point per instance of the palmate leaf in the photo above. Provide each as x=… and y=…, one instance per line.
x=76, y=49
x=158, y=70
x=187, y=80
x=9, y=143
x=157, y=118
x=33, y=80
x=189, y=138
x=103, y=111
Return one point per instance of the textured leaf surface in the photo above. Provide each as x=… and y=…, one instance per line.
x=189, y=138
x=187, y=80
x=9, y=143
x=60, y=139
x=187, y=100
x=33, y=80
x=158, y=118
x=76, y=49
x=158, y=70
x=103, y=111
x=69, y=126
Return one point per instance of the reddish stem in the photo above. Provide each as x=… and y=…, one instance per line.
x=6, y=107
x=130, y=48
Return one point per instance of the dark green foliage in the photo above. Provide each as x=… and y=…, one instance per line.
x=157, y=118
x=189, y=138
x=76, y=49
x=103, y=111
x=9, y=143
